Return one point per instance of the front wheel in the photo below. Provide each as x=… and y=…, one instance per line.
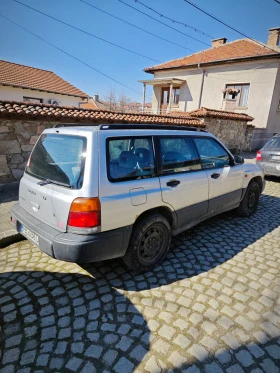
x=149, y=243
x=249, y=203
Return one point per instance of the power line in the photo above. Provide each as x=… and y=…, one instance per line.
x=277, y=1
x=173, y=20
x=225, y=24
x=69, y=55
x=85, y=32
x=173, y=28
x=131, y=24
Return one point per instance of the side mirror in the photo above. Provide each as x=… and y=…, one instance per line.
x=238, y=159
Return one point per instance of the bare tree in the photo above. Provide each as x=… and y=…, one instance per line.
x=124, y=100
x=111, y=99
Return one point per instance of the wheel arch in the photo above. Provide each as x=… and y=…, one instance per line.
x=259, y=181
x=162, y=210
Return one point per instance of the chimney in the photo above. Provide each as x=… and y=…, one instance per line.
x=96, y=97
x=218, y=42
x=273, y=37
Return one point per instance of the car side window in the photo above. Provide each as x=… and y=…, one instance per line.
x=178, y=154
x=211, y=153
x=130, y=158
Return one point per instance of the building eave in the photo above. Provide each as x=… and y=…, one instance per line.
x=42, y=90
x=214, y=63
x=162, y=81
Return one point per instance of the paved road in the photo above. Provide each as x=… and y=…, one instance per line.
x=212, y=306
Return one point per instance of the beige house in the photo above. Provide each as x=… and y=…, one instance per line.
x=241, y=76
x=28, y=84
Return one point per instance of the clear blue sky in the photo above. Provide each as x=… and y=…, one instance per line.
x=252, y=17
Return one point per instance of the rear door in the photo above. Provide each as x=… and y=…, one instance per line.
x=128, y=184
x=184, y=184
x=225, y=179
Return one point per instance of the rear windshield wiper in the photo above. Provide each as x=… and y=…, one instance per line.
x=47, y=181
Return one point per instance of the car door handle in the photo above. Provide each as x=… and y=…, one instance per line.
x=215, y=176
x=173, y=183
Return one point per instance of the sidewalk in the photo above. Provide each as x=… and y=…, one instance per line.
x=9, y=195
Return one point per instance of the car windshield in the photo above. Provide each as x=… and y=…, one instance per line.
x=273, y=143
x=58, y=159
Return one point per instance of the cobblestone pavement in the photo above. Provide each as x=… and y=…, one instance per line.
x=212, y=306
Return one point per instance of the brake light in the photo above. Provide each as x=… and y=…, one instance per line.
x=85, y=213
x=259, y=155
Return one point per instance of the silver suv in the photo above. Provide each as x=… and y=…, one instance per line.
x=99, y=192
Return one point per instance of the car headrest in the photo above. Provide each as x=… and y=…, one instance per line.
x=127, y=159
x=143, y=154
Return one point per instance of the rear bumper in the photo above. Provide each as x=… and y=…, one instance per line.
x=270, y=168
x=72, y=247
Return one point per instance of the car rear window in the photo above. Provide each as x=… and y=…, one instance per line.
x=273, y=143
x=59, y=159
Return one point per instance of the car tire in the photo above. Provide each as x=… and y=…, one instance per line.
x=249, y=203
x=149, y=243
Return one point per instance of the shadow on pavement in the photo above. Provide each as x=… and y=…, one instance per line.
x=60, y=321
x=197, y=250
x=9, y=192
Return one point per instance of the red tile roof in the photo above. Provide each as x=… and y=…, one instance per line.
x=15, y=75
x=19, y=110
x=236, y=50
x=96, y=105
x=204, y=112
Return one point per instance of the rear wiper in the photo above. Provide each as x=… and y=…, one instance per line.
x=47, y=181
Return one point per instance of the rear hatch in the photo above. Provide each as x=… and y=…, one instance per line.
x=53, y=177
x=271, y=151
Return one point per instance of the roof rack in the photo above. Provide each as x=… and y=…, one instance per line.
x=76, y=125
x=148, y=126
x=131, y=126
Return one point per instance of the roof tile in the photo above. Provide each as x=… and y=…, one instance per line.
x=239, y=49
x=16, y=75
x=12, y=109
x=204, y=112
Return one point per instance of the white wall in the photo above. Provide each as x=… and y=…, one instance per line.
x=260, y=75
x=16, y=94
x=273, y=124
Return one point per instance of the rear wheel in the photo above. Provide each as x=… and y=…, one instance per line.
x=249, y=204
x=149, y=243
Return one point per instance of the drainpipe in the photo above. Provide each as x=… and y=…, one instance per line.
x=83, y=102
x=201, y=85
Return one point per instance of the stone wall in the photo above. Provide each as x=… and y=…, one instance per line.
x=17, y=138
x=236, y=135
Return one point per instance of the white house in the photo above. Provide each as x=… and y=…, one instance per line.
x=28, y=84
x=241, y=76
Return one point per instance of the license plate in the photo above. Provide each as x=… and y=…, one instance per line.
x=275, y=157
x=29, y=234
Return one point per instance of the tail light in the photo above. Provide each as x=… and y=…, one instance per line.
x=85, y=213
x=259, y=155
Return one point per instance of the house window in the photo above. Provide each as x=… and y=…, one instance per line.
x=238, y=92
x=33, y=99
x=165, y=93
